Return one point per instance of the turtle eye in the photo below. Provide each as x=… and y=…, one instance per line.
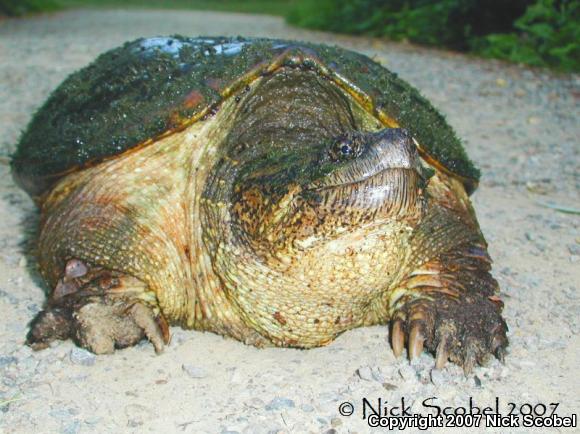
x=346, y=150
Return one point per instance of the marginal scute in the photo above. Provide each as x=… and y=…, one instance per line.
x=149, y=88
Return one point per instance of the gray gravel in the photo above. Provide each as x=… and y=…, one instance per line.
x=519, y=125
x=80, y=356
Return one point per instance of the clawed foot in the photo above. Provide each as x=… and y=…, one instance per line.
x=466, y=331
x=98, y=311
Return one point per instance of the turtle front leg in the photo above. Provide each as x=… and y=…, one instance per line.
x=450, y=307
x=100, y=310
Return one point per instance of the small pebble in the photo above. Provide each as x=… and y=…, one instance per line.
x=193, y=371
x=407, y=373
x=60, y=413
x=335, y=421
x=389, y=386
x=7, y=360
x=377, y=375
x=80, y=356
x=279, y=404
x=365, y=373
x=93, y=421
x=437, y=377
x=72, y=428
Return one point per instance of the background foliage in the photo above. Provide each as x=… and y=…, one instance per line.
x=21, y=7
x=273, y=7
x=534, y=32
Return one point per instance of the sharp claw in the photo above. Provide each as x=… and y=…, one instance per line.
x=143, y=317
x=164, y=327
x=416, y=339
x=500, y=354
x=442, y=354
x=495, y=343
x=483, y=359
x=496, y=300
x=397, y=338
x=468, y=364
x=470, y=358
x=499, y=340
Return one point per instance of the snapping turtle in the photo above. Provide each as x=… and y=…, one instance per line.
x=276, y=192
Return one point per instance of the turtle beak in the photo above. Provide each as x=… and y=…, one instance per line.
x=391, y=148
x=384, y=179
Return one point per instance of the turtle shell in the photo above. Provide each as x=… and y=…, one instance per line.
x=149, y=88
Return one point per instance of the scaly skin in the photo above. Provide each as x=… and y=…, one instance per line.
x=140, y=214
x=252, y=224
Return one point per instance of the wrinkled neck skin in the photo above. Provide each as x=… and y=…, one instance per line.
x=301, y=256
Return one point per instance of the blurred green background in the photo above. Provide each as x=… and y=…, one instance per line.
x=542, y=33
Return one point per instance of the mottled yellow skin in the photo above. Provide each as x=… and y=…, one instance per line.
x=203, y=244
x=140, y=214
x=159, y=187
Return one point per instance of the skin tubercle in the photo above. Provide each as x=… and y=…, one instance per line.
x=302, y=276
x=139, y=214
x=275, y=263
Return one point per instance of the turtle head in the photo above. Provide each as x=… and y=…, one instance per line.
x=363, y=162
x=307, y=196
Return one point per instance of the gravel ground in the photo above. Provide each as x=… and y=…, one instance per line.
x=519, y=125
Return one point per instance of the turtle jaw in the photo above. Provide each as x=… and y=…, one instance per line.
x=383, y=183
x=388, y=193
x=386, y=179
x=391, y=148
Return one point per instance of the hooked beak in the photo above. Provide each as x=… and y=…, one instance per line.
x=391, y=148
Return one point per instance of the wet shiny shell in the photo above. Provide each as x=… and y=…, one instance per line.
x=146, y=89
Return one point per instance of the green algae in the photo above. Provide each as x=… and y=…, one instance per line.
x=147, y=87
